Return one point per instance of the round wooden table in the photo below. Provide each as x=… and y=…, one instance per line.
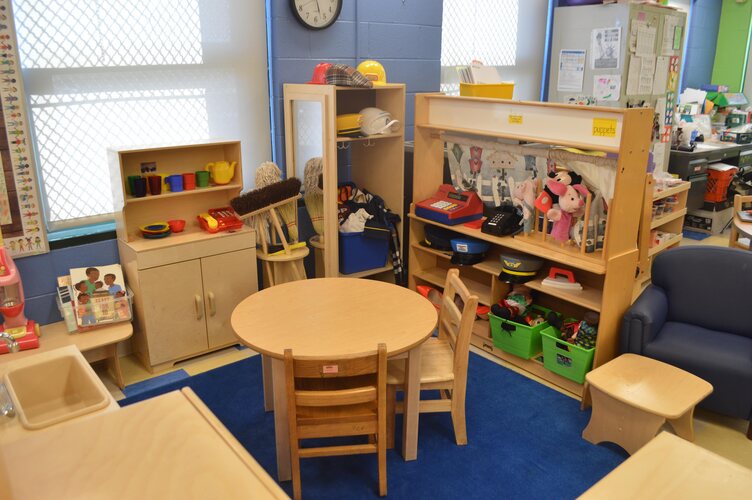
x=331, y=317
x=741, y=229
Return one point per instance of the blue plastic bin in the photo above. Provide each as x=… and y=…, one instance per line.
x=359, y=253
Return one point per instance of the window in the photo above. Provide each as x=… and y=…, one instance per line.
x=108, y=73
x=486, y=31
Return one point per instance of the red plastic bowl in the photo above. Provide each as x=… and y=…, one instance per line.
x=176, y=225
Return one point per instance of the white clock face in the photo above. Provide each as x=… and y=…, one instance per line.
x=317, y=14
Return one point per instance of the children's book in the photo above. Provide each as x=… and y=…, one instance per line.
x=745, y=215
x=99, y=295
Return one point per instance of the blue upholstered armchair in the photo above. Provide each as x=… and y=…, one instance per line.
x=697, y=315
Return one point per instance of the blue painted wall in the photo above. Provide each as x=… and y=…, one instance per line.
x=39, y=275
x=404, y=36
x=701, y=45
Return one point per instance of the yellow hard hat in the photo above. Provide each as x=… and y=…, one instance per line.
x=374, y=71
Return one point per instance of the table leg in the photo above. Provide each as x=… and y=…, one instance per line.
x=266, y=376
x=114, y=362
x=620, y=423
x=585, y=403
x=412, y=405
x=684, y=425
x=281, y=429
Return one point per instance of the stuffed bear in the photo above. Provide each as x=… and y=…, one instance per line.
x=571, y=204
x=548, y=196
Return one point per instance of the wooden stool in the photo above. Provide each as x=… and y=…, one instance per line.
x=633, y=396
x=283, y=265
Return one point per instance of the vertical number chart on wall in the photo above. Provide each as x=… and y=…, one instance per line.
x=21, y=211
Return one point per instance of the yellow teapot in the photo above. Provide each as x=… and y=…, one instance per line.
x=221, y=172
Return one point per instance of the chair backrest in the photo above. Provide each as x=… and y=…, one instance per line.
x=740, y=201
x=456, y=325
x=707, y=286
x=336, y=383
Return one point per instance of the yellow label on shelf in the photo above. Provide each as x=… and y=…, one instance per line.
x=604, y=127
x=515, y=119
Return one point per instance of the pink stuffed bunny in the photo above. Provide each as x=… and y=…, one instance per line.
x=523, y=196
x=571, y=203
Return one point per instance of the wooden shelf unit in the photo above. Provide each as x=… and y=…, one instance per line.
x=187, y=284
x=603, y=273
x=376, y=162
x=671, y=222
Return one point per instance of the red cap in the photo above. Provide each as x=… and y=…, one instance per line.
x=319, y=73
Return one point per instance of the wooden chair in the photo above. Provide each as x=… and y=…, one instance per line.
x=337, y=397
x=444, y=361
x=737, y=224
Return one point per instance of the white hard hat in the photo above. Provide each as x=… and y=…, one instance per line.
x=376, y=121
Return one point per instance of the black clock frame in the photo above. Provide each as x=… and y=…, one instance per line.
x=316, y=28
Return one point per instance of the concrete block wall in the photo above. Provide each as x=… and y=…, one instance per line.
x=405, y=36
x=701, y=44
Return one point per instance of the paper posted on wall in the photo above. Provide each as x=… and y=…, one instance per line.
x=605, y=44
x=607, y=87
x=571, y=71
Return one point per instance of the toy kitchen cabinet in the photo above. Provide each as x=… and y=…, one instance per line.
x=185, y=285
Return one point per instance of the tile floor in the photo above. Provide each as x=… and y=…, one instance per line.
x=722, y=435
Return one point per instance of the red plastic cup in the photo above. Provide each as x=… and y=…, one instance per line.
x=189, y=181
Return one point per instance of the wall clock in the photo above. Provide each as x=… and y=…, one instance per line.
x=316, y=14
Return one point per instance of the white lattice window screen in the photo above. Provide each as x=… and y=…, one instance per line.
x=484, y=30
x=108, y=73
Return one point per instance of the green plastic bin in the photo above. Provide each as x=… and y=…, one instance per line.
x=515, y=338
x=568, y=360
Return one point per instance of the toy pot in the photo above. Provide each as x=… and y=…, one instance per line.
x=176, y=225
x=221, y=172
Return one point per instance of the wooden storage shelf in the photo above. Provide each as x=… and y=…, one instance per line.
x=376, y=163
x=589, y=297
x=675, y=239
x=369, y=138
x=684, y=186
x=437, y=276
x=533, y=365
x=610, y=271
x=664, y=219
x=191, y=192
x=368, y=272
x=193, y=235
x=544, y=249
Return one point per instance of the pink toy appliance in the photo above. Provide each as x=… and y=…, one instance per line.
x=15, y=324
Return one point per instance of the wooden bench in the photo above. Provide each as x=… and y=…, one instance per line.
x=95, y=345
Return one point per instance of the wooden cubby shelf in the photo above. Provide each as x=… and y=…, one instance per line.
x=369, y=138
x=675, y=239
x=664, y=219
x=369, y=272
x=188, y=192
x=665, y=193
x=603, y=274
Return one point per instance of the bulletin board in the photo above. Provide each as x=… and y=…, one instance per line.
x=21, y=213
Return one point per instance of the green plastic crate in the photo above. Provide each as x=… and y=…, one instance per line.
x=568, y=360
x=515, y=338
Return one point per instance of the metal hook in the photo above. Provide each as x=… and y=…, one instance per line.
x=368, y=144
x=345, y=145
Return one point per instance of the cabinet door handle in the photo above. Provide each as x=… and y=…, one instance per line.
x=199, y=307
x=212, y=304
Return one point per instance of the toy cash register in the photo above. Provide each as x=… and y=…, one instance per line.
x=449, y=206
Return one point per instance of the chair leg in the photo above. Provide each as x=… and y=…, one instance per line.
x=295, y=466
x=391, y=403
x=458, y=418
x=749, y=430
x=381, y=451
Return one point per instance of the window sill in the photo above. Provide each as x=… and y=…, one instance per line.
x=91, y=233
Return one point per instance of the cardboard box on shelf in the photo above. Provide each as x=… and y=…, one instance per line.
x=708, y=222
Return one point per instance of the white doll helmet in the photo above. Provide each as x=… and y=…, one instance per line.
x=376, y=121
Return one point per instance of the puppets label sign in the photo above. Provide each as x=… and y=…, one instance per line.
x=515, y=119
x=604, y=127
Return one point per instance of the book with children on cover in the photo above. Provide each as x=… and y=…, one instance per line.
x=99, y=295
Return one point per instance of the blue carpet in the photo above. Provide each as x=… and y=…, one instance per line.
x=524, y=441
x=154, y=383
x=695, y=235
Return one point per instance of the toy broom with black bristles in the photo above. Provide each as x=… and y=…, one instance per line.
x=260, y=198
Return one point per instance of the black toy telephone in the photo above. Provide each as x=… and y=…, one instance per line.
x=504, y=221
